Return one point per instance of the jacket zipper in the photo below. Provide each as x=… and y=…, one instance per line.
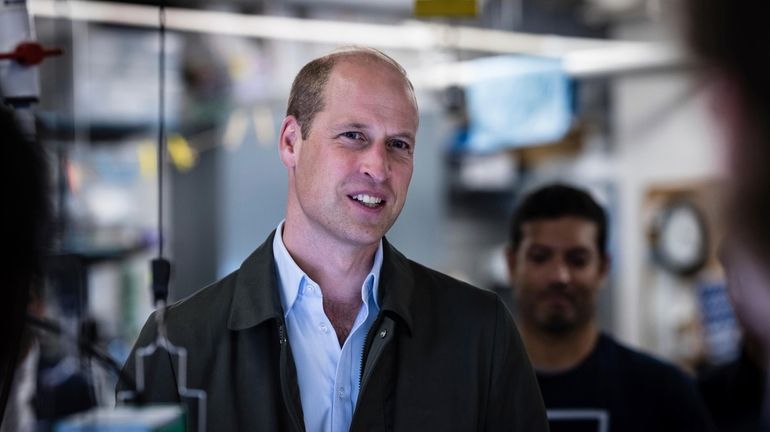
x=365, y=349
x=375, y=344
x=363, y=361
x=283, y=340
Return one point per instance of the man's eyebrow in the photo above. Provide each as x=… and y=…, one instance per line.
x=579, y=249
x=539, y=246
x=357, y=125
x=404, y=135
x=350, y=125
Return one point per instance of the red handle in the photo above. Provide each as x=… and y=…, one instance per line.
x=30, y=53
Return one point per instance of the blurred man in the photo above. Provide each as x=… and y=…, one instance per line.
x=725, y=36
x=326, y=326
x=557, y=262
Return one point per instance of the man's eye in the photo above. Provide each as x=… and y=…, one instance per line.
x=579, y=260
x=538, y=257
x=353, y=135
x=400, y=145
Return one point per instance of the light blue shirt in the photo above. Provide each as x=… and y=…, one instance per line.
x=328, y=375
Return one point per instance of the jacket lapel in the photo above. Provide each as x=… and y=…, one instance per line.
x=397, y=285
x=256, y=297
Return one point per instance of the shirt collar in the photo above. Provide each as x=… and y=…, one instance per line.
x=291, y=278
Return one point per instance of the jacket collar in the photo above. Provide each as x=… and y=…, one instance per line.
x=256, y=298
x=396, y=284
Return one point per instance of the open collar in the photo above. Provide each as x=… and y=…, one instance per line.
x=256, y=298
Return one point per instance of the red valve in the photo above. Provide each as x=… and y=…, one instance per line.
x=30, y=53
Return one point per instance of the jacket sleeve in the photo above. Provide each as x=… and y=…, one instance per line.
x=159, y=377
x=515, y=402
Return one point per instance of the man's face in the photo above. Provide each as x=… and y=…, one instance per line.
x=556, y=273
x=349, y=177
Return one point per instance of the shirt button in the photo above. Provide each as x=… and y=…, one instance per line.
x=341, y=392
x=323, y=327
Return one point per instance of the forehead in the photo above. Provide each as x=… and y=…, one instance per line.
x=561, y=233
x=370, y=86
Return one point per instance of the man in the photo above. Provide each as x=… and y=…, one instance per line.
x=723, y=34
x=326, y=326
x=557, y=261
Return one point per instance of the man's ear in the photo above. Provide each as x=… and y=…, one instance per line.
x=290, y=141
x=510, y=259
x=606, y=262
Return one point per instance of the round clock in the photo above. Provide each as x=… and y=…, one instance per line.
x=681, y=238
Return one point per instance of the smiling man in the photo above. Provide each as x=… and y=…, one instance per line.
x=558, y=261
x=326, y=326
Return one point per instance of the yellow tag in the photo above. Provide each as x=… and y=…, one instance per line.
x=445, y=8
x=182, y=155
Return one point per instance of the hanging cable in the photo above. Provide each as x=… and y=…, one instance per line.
x=161, y=120
x=161, y=267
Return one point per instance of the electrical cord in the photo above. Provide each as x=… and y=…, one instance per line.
x=52, y=327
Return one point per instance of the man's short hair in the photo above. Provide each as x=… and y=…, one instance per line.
x=306, y=98
x=556, y=201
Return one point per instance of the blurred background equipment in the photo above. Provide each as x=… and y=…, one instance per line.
x=514, y=95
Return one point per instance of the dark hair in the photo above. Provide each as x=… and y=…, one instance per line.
x=306, y=98
x=556, y=201
x=729, y=36
x=25, y=232
x=724, y=34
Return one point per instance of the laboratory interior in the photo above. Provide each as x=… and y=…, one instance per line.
x=159, y=121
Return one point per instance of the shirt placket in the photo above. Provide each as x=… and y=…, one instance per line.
x=343, y=402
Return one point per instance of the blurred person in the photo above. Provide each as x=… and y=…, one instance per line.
x=733, y=391
x=25, y=234
x=557, y=262
x=326, y=326
x=727, y=37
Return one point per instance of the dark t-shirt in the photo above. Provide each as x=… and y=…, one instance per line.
x=620, y=390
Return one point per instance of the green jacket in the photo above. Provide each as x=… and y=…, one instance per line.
x=442, y=355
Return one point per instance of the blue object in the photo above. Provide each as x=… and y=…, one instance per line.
x=721, y=330
x=157, y=418
x=517, y=101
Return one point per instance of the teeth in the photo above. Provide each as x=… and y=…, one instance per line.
x=367, y=199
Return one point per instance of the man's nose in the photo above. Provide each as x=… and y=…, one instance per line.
x=375, y=162
x=561, y=272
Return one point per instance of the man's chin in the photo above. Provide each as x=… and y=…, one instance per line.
x=363, y=236
x=557, y=326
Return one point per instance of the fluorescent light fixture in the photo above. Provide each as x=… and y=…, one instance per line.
x=410, y=34
x=581, y=56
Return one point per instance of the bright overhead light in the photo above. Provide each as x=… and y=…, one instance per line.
x=581, y=56
x=410, y=34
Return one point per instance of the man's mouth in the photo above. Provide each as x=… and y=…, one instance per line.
x=368, y=200
x=556, y=297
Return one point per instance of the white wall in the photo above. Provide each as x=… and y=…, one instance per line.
x=662, y=132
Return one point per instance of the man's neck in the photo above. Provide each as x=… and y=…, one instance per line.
x=340, y=269
x=556, y=352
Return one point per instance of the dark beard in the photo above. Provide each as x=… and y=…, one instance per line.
x=558, y=326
